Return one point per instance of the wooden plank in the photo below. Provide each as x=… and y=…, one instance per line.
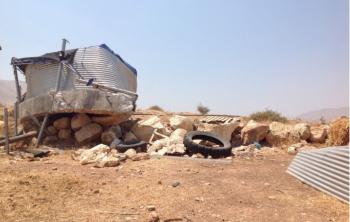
x=6, y=131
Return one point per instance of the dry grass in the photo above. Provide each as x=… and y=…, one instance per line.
x=339, y=132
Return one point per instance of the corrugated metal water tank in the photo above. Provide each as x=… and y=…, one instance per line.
x=98, y=62
x=325, y=169
x=102, y=64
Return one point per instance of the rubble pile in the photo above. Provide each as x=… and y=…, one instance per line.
x=114, y=141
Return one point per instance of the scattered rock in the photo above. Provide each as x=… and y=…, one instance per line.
x=339, y=132
x=65, y=134
x=254, y=132
x=130, y=153
x=318, y=134
x=54, y=168
x=176, y=149
x=140, y=156
x=181, y=122
x=175, y=184
x=144, y=129
x=79, y=120
x=88, y=133
x=303, y=130
x=51, y=131
x=199, y=199
x=154, y=217
x=62, y=123
x=281, y=133
x=151, y=208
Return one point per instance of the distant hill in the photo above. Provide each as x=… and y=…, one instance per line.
x=327, y=114
x=8, y=91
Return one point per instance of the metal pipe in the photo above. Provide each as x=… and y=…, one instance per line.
x=57, y=88
x=6, y=131
x=20, y=137
x=18, y=87
x=108, y=88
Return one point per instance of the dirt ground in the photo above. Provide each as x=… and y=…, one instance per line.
x=60, y=189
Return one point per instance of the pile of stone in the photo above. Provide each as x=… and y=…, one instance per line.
x=103, y=156
x=84, y=129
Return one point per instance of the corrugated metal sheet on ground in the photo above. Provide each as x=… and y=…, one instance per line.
x=325, y=169
x=216, y=119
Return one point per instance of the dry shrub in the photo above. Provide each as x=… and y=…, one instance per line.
x=339, y=132
x=268, y=116
x=156, y=107
x=203, y=109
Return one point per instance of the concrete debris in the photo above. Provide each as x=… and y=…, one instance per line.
x=79, y=120
x=223, y=130
x=88, y=133
x=181, y=122
x=318, y=134
x=144, y=129
x=254, y=132
x=62, y=123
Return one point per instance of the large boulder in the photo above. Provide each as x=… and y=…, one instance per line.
x=224, y=130
x=79, y=120
x=303, y=129
x=181, y=122
x=254, y=132
x=88, y=133
x=62, y=123
x=110, y=120
x=282, y=134
x=51, y=131
x=318, y=134
x=339, y=132
x=65, y=134
x=144, y=129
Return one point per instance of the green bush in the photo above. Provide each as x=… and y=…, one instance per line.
x=268, y=115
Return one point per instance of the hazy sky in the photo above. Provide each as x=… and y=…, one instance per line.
x=234, y=56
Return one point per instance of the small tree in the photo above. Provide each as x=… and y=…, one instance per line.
x=203, y=109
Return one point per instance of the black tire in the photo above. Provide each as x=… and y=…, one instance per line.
x=224, y=148
x=116, y=144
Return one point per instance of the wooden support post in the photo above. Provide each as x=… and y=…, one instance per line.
x=6, y=131
x=15, y=115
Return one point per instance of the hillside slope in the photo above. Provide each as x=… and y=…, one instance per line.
x=8, y=91
x=327, y=114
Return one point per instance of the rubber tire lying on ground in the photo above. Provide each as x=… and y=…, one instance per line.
x=224, y=148
x=116, y=144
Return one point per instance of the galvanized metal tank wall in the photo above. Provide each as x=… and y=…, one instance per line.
x=91, y=62
x=41, y=78
x=107, y=68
